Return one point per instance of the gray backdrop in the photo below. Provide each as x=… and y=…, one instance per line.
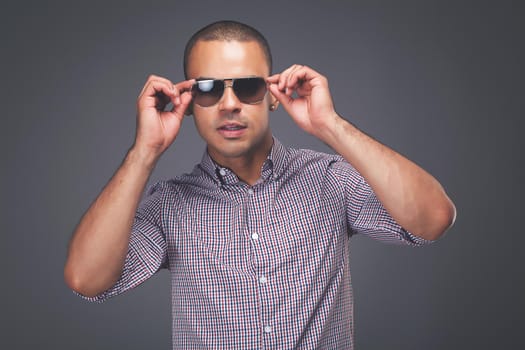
x=439, y=81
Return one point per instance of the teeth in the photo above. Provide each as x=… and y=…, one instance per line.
x=232, y=127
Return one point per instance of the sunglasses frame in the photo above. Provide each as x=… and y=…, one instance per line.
x=227, y=83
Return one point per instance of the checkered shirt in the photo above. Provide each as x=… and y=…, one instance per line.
x=263, y=266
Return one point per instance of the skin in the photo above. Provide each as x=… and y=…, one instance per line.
x=99, y=244
x=411, y=196
x=243, y=152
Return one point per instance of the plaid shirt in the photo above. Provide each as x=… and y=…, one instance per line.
x=263, y=266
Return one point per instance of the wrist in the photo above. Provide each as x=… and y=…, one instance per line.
x=332, y=129
x=142, y=158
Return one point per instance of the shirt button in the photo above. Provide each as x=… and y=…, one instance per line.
x=267, y=329
x=263, y=279
x=222, y=172
x=255, y=236
x=250, y=191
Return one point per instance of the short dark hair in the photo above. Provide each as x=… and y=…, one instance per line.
x=227, y=31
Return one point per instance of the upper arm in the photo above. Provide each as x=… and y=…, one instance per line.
x=364, y=212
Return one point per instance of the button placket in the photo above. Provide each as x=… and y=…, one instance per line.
x=254, y=225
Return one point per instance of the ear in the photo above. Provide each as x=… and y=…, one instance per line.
x=274, y=103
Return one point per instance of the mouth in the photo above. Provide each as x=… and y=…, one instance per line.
x=231, y=130
x=232, y=127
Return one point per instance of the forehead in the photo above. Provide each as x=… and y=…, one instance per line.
x=227, y=59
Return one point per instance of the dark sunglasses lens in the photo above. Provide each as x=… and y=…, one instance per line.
x=250, y=90
x=207, y=92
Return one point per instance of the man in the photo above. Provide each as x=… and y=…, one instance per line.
x=257, y=236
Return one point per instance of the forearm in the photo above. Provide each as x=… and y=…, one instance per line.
x=411, y=196
x=99, y=245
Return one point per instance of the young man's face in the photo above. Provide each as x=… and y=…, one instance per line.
x=231, y=129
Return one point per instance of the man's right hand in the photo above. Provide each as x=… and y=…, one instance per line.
x=157, y=128
x=98, y=248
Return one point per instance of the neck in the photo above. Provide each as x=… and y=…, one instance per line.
x=247, y=170
x=248, y=166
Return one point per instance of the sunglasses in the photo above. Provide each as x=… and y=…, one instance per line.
x=250, y=90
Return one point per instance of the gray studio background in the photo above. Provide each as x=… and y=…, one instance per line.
x=439, y=81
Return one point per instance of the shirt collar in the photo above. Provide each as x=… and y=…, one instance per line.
x=272, y=167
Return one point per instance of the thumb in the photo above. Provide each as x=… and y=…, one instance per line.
x=184, y=101
x=284, y=99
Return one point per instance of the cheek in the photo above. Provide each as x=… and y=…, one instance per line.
x=263, y=109
x=202, y=123
x=268, y=100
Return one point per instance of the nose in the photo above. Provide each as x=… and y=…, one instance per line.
x=229, y=101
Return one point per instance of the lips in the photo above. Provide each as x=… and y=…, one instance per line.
x=231, y=130
x=232, y=127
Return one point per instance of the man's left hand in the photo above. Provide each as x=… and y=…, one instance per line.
x=311, y=106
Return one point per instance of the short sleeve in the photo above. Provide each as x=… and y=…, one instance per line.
x=364, y=212
x=147, y=247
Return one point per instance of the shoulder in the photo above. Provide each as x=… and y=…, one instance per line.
x=310, y=159
x=331, y=168
x=303, y=156
x=179, y=186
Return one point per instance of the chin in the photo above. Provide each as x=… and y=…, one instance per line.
x=233, y=148
x=247, y=145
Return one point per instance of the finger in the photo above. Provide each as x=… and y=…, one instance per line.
x=160, y=91
x=288, y=81
x=156, y=95
x=273, y=79
x=184, y=102
x=279, y=84
x=305, y=79
x=154, y=87
x=298, y=76
x=293, y=71
x=280, y=78
x=281, y=96
x=284, y=77
x=153, y=77
x=185, y=85
x=182, y=90
x=291, y=80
